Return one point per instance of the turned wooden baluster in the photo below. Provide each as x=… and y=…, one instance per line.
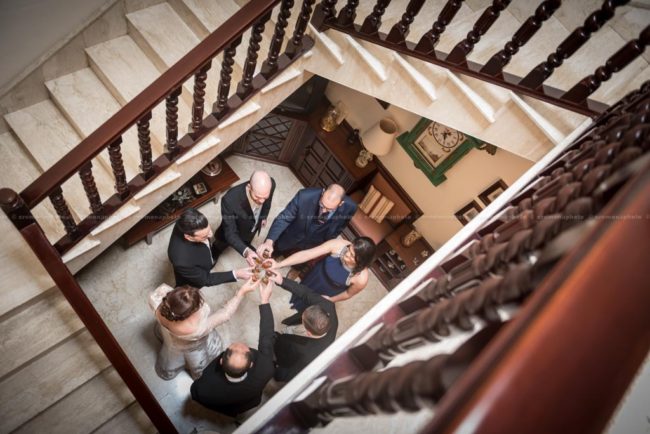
x=615, y=63
x=324, y=12
x=62, y=210
x=571, y=44
x=199, y=97
x=219, y=108
x=428, y=42
x=144, y=143
x=171, y=112
x=245, y=86
x=400, y=31
x=88, y=181
x=373, y=21
x=295, y=44
x=348, y=13
x=270, y=65
x=115, y=154
x=459, y=53
x=495, y=65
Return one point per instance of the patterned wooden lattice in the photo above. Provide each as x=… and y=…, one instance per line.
x=267, y=137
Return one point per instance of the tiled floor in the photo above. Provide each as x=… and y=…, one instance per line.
x=119, y=280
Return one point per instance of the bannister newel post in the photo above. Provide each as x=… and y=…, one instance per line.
x=199, y=97
x=245, y=86
x=295, y=44
x=62, y=210
x=373, y=21
x=615, y=63
x=220, y=107
x=571, y=44
x=348, y=13
x=495, y=65
x=16, y=209
x=171, y=103
x=429, y=40
x=324, y=12
x=144, y=144
x=458, y=54
x=400, y=31
x=270, y=65
x=88, y=182
x=115, y=154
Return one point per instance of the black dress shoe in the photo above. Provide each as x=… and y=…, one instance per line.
x=294, y=319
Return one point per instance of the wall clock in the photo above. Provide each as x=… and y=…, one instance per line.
x=446, y=137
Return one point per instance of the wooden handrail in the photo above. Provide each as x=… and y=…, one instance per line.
x=142, y=104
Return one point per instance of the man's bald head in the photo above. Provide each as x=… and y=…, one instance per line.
x=260, y=186
x=332, y=196
x=237, y=360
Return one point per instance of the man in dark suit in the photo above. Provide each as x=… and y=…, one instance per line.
x=190, y=254
x=313, y=216
x=294, y=352
x=233, y=382
x=244, y=210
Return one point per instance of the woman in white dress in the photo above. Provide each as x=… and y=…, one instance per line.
x=186, y=328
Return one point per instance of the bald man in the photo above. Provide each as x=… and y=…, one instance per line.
x=234, y=381
x=244, y=210
x=313, y=216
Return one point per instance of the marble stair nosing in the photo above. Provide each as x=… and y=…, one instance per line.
x=87, y=104
x=43, y=123
x=33, y=329
x=48, y=379
x=204, y=16
x=84, y=409
x=132, y=420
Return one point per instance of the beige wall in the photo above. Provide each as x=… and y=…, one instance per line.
x=465, y=180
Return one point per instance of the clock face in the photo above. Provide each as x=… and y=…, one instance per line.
x=446, y=137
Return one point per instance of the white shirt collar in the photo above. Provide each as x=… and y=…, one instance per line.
x=236, y=380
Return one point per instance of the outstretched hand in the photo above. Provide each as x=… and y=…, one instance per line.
x=265, y=247
x=244, y=273
x=248, y=287
x=266, y=291
x=252, y=258
x=274, y=276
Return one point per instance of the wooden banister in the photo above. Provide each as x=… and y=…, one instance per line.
x=145, y=102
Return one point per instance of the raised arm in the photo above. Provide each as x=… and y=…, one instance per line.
x=226, y=312
x=265, y=344
x=200, y=277
x=304, y=292
x=284, y=219
x=327, y=248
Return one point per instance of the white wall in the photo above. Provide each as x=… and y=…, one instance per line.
x=31, y=29
x=465, y=180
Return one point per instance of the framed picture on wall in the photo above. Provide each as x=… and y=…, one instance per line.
x=492, y=192
x=468, y=212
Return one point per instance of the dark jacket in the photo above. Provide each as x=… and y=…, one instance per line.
x=214, y=391
x=295, y=228
x=238, y=226
x=192, y=263
x=293, y=352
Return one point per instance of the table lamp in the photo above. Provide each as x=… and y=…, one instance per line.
x=378, y=140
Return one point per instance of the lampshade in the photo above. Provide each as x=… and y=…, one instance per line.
x=379, y=138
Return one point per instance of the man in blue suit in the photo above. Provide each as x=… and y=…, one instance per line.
x=313, y=216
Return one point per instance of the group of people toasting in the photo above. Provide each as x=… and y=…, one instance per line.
x=231, y=379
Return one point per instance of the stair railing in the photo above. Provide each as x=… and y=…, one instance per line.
x=532, y=84
x=138, y=112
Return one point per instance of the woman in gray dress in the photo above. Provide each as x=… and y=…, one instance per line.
x=186, y=328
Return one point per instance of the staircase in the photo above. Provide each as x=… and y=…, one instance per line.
x=51, y=365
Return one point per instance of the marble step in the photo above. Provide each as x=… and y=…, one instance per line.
x=48, y=379
x=87, y=104
x=126, y=71
x=48, y=136
x=36, y=327
x=85, y=409
x=132, y=420
x=204, y=16
x=17, y=171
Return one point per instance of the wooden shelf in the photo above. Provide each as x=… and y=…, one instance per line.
x=156, y=221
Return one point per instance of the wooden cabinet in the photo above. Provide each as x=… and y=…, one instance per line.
x=324, y=158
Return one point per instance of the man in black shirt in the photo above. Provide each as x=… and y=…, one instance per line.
x=234, y=381
x=294, y=352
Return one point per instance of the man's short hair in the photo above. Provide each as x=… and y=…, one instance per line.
x=191, y=221
x=316, y=320
x=236, y=371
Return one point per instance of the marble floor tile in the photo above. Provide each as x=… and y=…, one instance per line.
x=118, y=281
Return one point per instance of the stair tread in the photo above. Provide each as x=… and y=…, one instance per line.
x=127, y=71
x=43, y=123
x=17, y=171
x=132, y=420
x=84, y=409
x=36, y=328
x=88, y=104
x=212, y=14
x=48, y=379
